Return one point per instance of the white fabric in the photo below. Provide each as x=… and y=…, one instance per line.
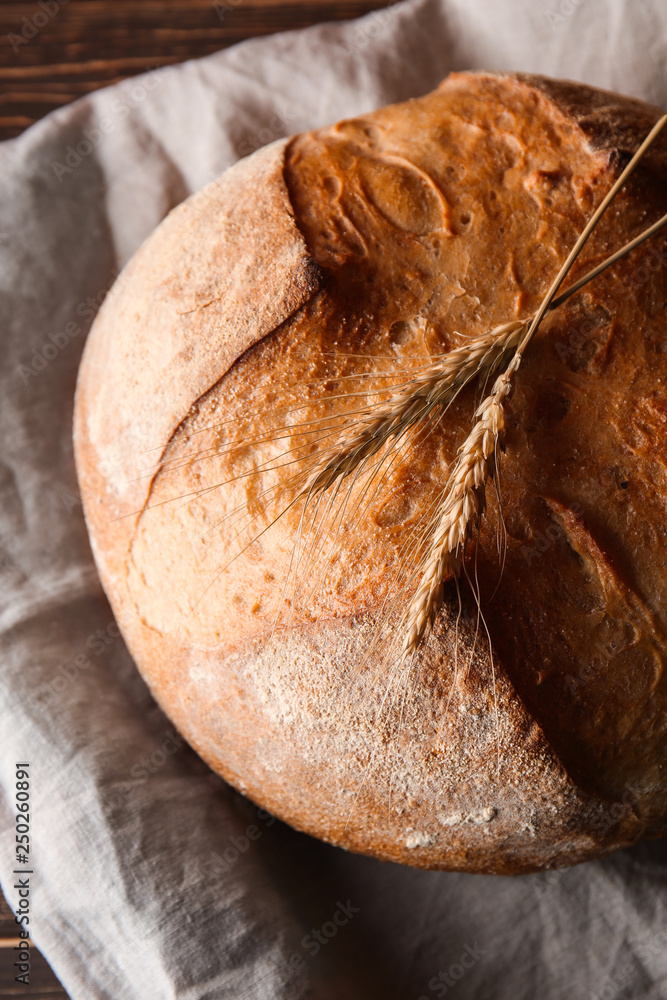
x=152, y=879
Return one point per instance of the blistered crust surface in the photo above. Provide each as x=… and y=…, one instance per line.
x=429, y=223
x=188, y=304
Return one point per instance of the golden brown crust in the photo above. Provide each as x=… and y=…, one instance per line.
x=416, y=227
x=185, y=308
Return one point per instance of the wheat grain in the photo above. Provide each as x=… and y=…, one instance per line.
x=436, y=387
x=463, y=505
x=464, y=494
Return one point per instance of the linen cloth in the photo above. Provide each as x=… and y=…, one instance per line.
x=151, y=878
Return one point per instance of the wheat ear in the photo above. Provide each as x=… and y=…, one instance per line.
x=435, y=387
x=462, y=507
x=439, y=384
x=465, y=491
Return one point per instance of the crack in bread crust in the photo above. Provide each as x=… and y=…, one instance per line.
x=565, y=758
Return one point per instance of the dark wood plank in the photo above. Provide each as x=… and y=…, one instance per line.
x=52, y=53
x=43, y=983
x=8, y=927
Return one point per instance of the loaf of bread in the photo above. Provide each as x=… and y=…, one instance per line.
x=264, y=317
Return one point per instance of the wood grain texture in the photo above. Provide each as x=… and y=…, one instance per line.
x=43, y=983
x=53, y=51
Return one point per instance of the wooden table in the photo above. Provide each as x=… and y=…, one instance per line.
x=53, y=51
x=43, y=983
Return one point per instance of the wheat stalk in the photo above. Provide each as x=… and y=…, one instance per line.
x=464, y=495
x=465, y=491
x=435, y=387
x=463, y=505
x=440, y=384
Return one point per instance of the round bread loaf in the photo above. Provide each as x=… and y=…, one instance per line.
x=265, y=314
